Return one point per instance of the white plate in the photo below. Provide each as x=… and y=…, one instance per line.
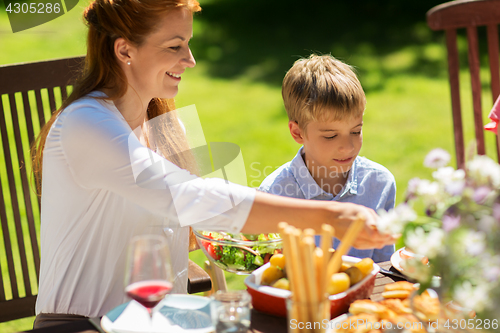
x=176, y=313
x=396, y=260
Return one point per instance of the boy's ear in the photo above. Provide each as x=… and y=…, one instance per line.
x=296, y=132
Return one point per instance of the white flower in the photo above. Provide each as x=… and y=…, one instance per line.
x=389, y=222
x=484, y=171
x=427, y=244
x=427, y=188
x=444, y=175
x=406, y=213
x=394, y=221
x=437, y=158
x=474, y=297
x=491, y=267
x=474, y=242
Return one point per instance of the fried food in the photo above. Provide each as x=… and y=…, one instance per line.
x=401, y=294
x=368, y=306
x=427, y=306
x=400, y=285
x=361, y=323
x=397, y=305
x=401, y=289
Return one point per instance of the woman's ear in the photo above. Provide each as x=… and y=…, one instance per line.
x=296, y=132
x=123, y=51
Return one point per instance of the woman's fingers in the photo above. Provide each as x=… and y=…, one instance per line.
x=369, y=237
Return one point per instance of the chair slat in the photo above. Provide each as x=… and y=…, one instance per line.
x=453, y=70
x=64, y=93
x=27, y=116
x=492, y=32
x=39, y=106
x=52, y=99
x=5, y=231
x=2, y=290
x=25, y=189
x=476, y=87
x=10, y=177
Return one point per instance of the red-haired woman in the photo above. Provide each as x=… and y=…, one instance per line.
x=94, y=202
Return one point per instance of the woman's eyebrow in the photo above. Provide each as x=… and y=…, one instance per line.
x=175, y=37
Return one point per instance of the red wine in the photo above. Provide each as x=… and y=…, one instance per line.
x=148, y=293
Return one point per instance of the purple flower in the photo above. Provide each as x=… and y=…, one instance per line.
x=450, y=222
x=480, y=194
x=437, y=158
x=496, y=211
x=411, y=191
x=455, y=187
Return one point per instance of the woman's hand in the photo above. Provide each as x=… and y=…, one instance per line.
x=268, y=210
x=369, y=237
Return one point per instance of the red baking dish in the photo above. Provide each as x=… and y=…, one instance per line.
x=272, y=300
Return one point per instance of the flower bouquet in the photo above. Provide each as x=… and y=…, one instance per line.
x=454, y=221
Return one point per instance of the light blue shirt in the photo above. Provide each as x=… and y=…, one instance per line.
x=368, y=183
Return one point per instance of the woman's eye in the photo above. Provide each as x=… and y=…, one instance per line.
x=175, y=48
x=356, y=133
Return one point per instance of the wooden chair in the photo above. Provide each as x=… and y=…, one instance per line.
x=469, y=15
x=28, y=95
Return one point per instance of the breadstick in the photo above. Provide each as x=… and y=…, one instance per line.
x=308, y=232
x=345, y=245
x=298, y=290
x=310, y=276
x=286, y=251
x=327, y=234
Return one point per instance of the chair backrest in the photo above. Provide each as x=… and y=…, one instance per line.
x=29, y=93
x=469, y=15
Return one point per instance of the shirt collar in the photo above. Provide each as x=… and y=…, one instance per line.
x=308, y=185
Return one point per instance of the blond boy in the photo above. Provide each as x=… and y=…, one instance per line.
x=325, y=104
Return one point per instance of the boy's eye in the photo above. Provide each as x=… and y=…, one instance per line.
x=330, y=137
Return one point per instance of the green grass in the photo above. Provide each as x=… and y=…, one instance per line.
x=236, y=86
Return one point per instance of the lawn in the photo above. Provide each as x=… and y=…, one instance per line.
x=243, y=50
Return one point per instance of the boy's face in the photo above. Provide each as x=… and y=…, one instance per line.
x=330, y=147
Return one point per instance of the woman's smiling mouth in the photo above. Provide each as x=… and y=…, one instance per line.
x=174, y=75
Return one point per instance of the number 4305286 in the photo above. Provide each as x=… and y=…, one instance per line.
x=38, y=8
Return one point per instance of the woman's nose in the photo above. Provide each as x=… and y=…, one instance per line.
x=188, y=60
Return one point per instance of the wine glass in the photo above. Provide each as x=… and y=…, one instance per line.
x=149, y=274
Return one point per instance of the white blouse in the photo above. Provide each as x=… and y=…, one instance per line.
x=100, y=189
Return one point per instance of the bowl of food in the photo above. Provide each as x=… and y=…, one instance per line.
x=270, y=297
x=238, y=253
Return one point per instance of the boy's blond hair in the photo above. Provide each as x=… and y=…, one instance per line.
x=322, y=88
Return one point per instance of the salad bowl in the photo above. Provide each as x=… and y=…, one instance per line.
x=238, y=253
x=272, y=300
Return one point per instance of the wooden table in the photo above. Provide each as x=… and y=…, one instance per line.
x=261, y=322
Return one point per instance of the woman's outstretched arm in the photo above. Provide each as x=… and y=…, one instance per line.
x=268, y=210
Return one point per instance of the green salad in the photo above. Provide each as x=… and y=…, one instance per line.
x=240, y=257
